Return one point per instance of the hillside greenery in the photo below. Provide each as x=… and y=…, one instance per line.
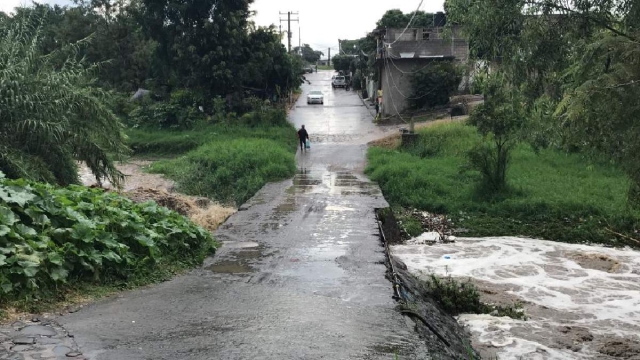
x=56, y=239
x=576, y=67
x=551, y=194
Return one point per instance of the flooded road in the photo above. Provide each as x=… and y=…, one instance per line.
x=581, y=301
x=301, y=274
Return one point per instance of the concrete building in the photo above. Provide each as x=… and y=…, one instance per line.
x=403, y=52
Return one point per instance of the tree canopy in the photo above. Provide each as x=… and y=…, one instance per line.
x=576, y=63
x=308, y=54
x=397, y=19
x=52, y=115
x=63, y=67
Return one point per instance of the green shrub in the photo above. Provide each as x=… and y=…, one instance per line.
x=458, y=297
x=554, y=195
x=52, y=236
x=455, y=297
x=180, y=111
x=433, y=85
x=230, y=171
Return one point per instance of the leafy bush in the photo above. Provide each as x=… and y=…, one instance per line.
x=179, y=112
x=433, y=85
x=52, y=236
x=52, y=115
x=458, y=297
x=342, y=62
x=455, y=297
x=230, y=171
x=500, y=120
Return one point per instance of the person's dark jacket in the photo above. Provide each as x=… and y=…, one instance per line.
x=303, y=135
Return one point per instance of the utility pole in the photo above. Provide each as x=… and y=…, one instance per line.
x=289, y=20
x=329, y=62
x=299, y=39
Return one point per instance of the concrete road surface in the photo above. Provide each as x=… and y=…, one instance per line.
x=300, y=275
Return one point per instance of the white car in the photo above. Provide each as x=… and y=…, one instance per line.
x=315, y=97
x=339, y=81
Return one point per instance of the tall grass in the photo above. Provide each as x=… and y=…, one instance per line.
x=552, y=195
x=168, y=142
x=230, y=171
x=227, y=161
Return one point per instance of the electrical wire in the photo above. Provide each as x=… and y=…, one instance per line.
x=410, y=72
x=409, y=24
x=391, y=93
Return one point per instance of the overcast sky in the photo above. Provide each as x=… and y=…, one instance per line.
x=322, y=22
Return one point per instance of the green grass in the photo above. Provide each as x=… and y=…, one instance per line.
x=228, y=162
x=167, y=142
x=229, y=171
x=553, y=195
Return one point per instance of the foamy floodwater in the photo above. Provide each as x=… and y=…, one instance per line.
x=583, y=301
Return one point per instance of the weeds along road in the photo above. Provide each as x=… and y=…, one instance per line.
x=300, y=275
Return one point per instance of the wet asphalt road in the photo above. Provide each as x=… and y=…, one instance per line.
x=300, y=275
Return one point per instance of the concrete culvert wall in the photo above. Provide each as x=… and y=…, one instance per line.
x=444, y=337
x=390, y=226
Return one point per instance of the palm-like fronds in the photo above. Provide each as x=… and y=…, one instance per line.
x=51, y=114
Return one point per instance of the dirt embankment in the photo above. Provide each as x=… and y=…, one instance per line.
x=141, y=186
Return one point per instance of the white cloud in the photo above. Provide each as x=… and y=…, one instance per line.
x=7, y=6
x=322, y=23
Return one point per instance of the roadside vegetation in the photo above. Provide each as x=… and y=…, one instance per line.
x=230, y=171
x=227, y=158
x=553, y=151
x=55, y=241
x=462, y=297
x=96, y=82
x=550, y=194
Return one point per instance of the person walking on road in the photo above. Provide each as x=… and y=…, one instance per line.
x=303, y=136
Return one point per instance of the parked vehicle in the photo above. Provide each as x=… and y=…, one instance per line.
x=315, y=97
x=308, y=70
x=339, y=81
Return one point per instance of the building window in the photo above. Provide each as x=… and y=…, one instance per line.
x=425, y=35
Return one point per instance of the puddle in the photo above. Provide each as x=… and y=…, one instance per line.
x=238, y=260
x=583, y=302
x=240, y=245
x=393, y=349
x=230, y=267
x=316, y=271
x=338, y=208
x=328, y=252
x=289, y=206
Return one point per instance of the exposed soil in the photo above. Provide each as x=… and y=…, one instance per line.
x=141, y=186
x=201, y=211
x=595, y=261
x=135, y=174
x=622, y=348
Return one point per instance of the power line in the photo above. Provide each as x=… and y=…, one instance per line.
x=408, y=24
x=391, y=92
x=289, y=20
x=410, y=72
